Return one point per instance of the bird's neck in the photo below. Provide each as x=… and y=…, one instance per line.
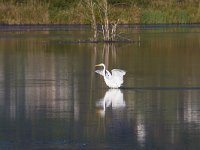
x=104, y=69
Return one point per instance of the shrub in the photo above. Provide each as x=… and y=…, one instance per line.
x=183, y=16
x=153, y=17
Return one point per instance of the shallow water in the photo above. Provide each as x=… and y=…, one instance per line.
x=51, y=98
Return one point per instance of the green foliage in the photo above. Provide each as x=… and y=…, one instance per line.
x=57, y=9
x=177, y=15
x=73, y=11
x=153, y=17
x=61, y=4
x=197, y=15
x=23, y=13
x=183, y=16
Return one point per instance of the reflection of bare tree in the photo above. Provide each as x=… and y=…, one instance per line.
x=48, y=90
x=109, y=49
x=93, y=63
x=105, y=53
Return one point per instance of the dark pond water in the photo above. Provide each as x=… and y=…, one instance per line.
x=51, y=98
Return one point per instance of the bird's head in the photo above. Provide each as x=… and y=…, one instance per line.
x=100, y=65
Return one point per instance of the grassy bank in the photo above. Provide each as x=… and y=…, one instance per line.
x=127, y=11
x=24, y=13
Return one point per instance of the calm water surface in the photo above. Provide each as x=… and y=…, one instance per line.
x=51, y=98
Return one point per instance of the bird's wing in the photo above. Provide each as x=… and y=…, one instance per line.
x=99, y=72
x=118, y=72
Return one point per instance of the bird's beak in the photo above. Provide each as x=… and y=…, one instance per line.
x=98, y=65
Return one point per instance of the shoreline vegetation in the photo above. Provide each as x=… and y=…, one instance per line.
x=122, y=11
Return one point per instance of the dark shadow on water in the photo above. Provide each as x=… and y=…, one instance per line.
x=160, y=88
x=75, y=27
x=96, y=42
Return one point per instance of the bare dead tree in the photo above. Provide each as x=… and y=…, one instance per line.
x=114, y=30
x=108, y=30
x=105, y=25
x=90, y=12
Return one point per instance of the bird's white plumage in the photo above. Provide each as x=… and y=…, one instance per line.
x=118, y=72
x=99, y=72
x=114, y=79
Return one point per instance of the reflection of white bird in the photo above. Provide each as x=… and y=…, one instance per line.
x=114, y=98
x=114, y=80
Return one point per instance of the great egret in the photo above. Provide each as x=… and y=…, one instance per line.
x=114, y=80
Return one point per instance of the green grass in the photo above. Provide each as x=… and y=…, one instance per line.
x=153, y=17
x=29, y=13
x=71, y=12
x=167, y=16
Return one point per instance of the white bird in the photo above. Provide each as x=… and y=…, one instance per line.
x=114, y=80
